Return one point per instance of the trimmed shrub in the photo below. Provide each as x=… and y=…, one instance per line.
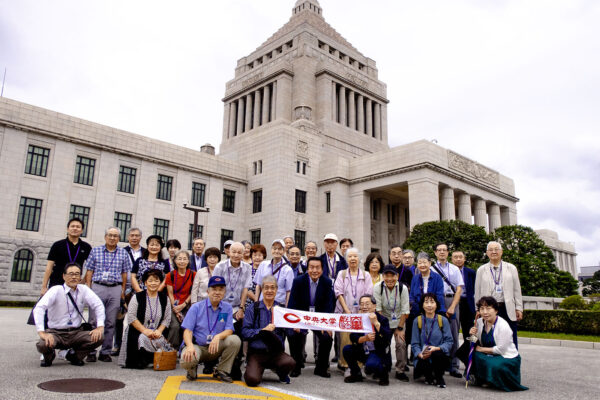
x=575, y=302
x=561, y=321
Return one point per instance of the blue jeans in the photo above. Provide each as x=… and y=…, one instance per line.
x=355, y=353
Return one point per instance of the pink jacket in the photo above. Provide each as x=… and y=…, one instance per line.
x=344, y=286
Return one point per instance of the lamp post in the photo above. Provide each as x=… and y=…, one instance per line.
x=195, y=210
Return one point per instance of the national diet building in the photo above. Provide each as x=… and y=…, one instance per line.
x=304, y=152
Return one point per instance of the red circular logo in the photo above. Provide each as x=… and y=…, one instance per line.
x=291, y=318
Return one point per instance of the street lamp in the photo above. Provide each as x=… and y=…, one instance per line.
x=195, y=210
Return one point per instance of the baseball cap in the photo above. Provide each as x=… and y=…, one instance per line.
x=390, y=268
x=331, y=236
x=228, y=243
x=278, y=241
x=216, y=281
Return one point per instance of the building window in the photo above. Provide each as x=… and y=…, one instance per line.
x=83, y=213
x=30, y=211
x=126, y=179
x=300, y=201
x=327, y=201
x=37, y=160
x=84, y=171
x=199, y=231
x=375, y=210
x=256, y=202
x=164, y=187
x=257, y=167
x=198, y=194
x=392, y=214
x=22, y=266
x=300, y=240
x=301, y=167
x=255, y=236
x=228, y=200
x=226, y=235
x=161, y=228
x=123, y=222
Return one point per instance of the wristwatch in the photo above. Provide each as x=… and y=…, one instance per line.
x=400, y=328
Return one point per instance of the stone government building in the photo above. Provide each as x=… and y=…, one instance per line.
x=304, y=152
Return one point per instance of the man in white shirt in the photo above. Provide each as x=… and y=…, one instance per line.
x=453, y=288
x=64, y=304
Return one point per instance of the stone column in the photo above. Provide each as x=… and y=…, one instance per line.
x=494, y=215
x=232, y=120
x=377, y=122
x=464, y=208
x=266, y=107
x=342, y=105
x=257, y=100
x=361, y=229
x=369, y=118
x=383, y=226
x=448, y=212
x=384, y=129
x=360, y=117
x=248, y=123
x=283, y=98
x=423, y=201
x=240, y=115
x=480, y=213
x=351, y=110
x=334, y=101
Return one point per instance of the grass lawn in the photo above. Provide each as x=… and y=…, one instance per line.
x=559, y=336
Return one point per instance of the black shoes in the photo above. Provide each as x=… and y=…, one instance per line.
x=441, y=383
x=72, y=358
x=353, y=378
x=91, y=358
x=296, y=373
x=192, y=374
x=104, y=358
x=401, y=376
x=322, y=374
x=456, y=374
x=222, y=376
x=384, y=380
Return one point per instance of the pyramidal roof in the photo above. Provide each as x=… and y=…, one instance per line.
x=309, y=12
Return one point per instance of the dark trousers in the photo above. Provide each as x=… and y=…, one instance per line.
x=281, y=363
x=467, y=318
x=408, y=336
x=78, y=340
x=297, y=343
x=119, y=332
x=513, y=324
x=433, y=367
x=353, y=354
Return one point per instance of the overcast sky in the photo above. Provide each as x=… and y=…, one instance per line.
x=514, y=85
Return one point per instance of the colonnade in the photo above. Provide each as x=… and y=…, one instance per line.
x=356, y=111
x=252, y=110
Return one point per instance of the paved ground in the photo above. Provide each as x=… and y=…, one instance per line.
x=549, y=372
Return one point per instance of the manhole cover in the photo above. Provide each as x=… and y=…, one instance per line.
x=81, y=385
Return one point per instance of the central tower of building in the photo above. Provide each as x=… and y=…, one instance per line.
x=306, y=95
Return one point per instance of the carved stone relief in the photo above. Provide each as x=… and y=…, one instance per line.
x=473, y=169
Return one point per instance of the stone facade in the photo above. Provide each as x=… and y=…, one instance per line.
x=564, y=252
x=304, y=130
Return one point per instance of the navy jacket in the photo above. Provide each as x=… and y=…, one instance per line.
x=339, y=265
x=129, y=251
x=253, y=324
x=193, y=265
x=469, y=278
x=300, y=294
x=383, y=338
x=435, y=285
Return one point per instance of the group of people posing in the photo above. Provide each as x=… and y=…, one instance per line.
x=218, y=312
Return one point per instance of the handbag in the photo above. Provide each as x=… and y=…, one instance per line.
x=165, y=360
x=86, y=326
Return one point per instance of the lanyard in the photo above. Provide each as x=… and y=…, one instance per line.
x=427, y=340
x=208, y=307
x=229, y=275
x=354, y=289
x=175, y=273
x=68, y=310
x=72, y=260
x=331, y=266
x=493, y=326
x=498, y=278
x=111, y=261
x=447, y=276
x=395, y=298
x=152, y=313
x=401, y=273
x=278, y=270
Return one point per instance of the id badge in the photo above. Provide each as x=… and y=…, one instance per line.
x=231, y=297
x=394, y=317
x=105, y=276
x=311, y=309
x=355, y=304
x=209, y=339
x=498, y=288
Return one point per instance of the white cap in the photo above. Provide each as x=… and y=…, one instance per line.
x=331, y=236
x=228, y=243
x=278, y=241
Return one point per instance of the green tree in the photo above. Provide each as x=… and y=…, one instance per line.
x=592, y=285
x=459, y=235
x=538, y=273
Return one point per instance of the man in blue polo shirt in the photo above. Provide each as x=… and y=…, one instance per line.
x=208, y=333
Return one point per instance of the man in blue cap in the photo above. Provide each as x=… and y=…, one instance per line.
x=208, y=333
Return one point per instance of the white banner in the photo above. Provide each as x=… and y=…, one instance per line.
x=287, y=318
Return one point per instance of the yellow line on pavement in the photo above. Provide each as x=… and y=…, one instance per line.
x=171, y=388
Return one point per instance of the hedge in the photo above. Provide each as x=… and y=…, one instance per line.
x=561, y=321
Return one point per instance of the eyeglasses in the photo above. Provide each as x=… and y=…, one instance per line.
x=112, y=235
x=73, y=274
